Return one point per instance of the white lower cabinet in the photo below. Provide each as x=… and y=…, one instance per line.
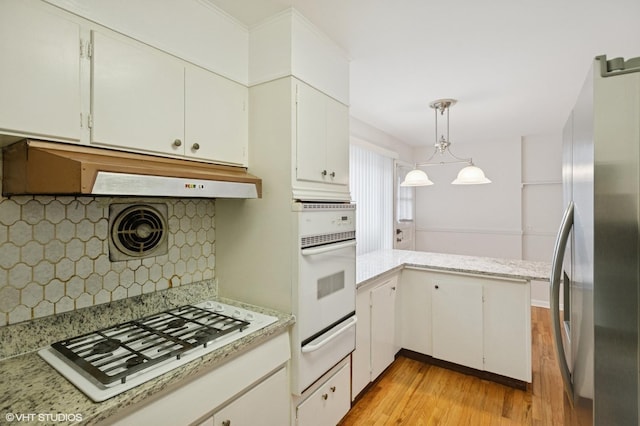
x=250, y=389
x=471, y=320
x=414, y=311
x=456, y=320
x=375, y=332
x=328, y=402
x=507, y=329
x=265, y=404
x=383, y=311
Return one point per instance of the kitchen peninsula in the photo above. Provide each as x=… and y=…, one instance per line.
x=372, y=265
x=464, y=312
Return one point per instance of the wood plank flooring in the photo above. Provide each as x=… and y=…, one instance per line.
x=412, y=393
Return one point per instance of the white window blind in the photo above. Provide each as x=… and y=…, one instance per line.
x=371, y=182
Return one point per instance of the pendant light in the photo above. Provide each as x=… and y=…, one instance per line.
x=469, y=175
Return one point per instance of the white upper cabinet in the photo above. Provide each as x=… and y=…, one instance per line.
x=144, y=99
x=322, y=137
x=216, y=117
x=40, y=72
x=137, y=96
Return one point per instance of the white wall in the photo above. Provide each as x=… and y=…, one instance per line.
x=481, y=220
x=363, y=131
x=541, y=202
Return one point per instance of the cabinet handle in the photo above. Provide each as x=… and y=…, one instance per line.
x=177, y=142
x=195, y=146
x=226, y=423
x=333, y=174
x=393, y=288
x=437, y=287
x=333, y=388
x=325, y=396
x=324, y=173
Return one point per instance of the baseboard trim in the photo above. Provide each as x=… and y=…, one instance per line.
x=485, y=375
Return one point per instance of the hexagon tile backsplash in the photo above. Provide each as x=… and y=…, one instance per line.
x=54, y=254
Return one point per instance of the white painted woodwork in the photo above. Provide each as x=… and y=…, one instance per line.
x=414, y=311
x=506, y=313
x=322, y=137
x=137, y=96
x=194, y=30
x=40, y=72
x=204, y=393
x=266, y=403
x=329, y=403
x=288, y=44
x=456, y=308
x=216, y=117
x=383, y=307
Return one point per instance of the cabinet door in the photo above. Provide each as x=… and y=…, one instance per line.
x=137, y=96
x=457, y=321
x=40, y=72
x=216, y=117
x=361, y=357
x=337, y=142
x=328, y=404
x=415, y=311
x=507, y=329
x=311, y=127
x=265, y=404
x=383, y=299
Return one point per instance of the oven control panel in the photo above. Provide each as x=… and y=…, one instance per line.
x=326, y=221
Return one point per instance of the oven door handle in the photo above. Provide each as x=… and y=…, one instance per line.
x=311, y=348
x=324, y=249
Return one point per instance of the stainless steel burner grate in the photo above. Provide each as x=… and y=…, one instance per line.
x=117, y=352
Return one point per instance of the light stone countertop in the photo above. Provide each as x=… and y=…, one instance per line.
x=28, y=385
x=375, y=264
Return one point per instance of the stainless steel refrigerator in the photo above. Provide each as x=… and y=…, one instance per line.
x=595, y=261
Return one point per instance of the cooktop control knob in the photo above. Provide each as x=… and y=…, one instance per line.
x=208, y=305
x=250, y=317
x=219, y=308
x=237, y=313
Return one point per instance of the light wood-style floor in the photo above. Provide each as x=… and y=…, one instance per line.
x=412, y=393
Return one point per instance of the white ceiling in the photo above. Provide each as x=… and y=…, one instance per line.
x=515, y=66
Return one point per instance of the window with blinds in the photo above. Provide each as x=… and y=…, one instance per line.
x=404, y=195
x=371, y=183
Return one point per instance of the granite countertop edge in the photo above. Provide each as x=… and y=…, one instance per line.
x=374, y=265
x=30, y=385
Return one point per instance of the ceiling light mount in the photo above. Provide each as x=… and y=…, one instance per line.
x=469, y=175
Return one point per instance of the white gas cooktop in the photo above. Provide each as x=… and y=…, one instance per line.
x=107, y=362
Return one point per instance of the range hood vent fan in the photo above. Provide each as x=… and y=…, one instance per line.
x=137, y=231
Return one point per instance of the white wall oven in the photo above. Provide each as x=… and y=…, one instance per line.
x=325, y=327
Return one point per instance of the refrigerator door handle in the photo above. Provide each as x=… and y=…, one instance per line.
x=556, y=274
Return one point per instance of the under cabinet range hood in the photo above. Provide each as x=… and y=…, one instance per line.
x=32, y=167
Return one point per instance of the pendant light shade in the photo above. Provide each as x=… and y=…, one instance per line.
x=471, y=175
x=416, y=177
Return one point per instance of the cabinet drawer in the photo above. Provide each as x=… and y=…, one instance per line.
x=329, y=403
